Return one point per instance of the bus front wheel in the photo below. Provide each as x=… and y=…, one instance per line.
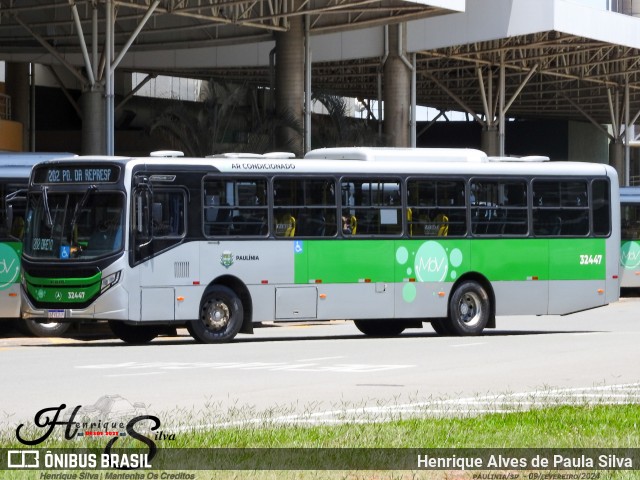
x=379, y=328
x=42, y=329
x=221, y=315
x=134, y=334
x=468, y=309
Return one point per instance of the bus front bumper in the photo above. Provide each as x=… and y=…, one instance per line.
x=112, y=305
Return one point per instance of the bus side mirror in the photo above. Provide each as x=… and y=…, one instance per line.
x=142, y=216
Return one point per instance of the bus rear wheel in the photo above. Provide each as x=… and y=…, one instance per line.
x=221, y=315
x=469, y=309
x=441, y=326
x=379, y=328
x=134, y=334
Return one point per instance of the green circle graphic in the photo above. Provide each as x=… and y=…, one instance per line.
x=456, y=257
x=402, y=255
x=9, y=266
x=409, y=292
x=630, y=254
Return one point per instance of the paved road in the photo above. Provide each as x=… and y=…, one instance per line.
x=330, y=372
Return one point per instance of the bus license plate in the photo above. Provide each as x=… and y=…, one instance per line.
x=55, y=314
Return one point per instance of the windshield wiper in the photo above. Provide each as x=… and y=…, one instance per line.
x=81, y=204
x=78, y=210
x=45, y=202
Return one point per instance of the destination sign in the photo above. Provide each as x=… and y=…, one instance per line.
x=76, y=174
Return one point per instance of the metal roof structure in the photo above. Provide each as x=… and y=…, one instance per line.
x=29, y=26
x=560, y=60
x=91, y=38
x=524, y=59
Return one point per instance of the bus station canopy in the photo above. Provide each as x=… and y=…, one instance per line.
x=173, y=24
x=546, y=59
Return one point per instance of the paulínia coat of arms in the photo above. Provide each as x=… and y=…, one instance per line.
x=226, y=259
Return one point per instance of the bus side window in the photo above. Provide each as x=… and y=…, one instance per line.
x=167, y=213
x=514, y=202
x=436, y=207
x=284, y=222
x=561, y=209
x=601, y=209
x=630, y=214
x=12, y=213
x=376, y=203
x=234, y=206
x=304, y=207
x=500, y=207
x=17, y=227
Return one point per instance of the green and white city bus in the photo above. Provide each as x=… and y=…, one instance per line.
x=15, y=169
x=389, y=238
x=630, y=237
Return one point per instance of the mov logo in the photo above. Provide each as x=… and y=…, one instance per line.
x=629, y=255
x=431, y=263
x=9, y=266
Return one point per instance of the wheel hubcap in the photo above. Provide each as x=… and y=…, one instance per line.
x=470, y=309
x=216, y=315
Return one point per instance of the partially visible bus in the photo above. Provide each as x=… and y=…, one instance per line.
x=389, y=238
x=15, y=169
x=630, y=237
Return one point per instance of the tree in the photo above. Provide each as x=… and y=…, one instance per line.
x=213, y=125
x=200, y=131
x=341, y=130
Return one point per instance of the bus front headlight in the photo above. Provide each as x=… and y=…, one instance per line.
x=110, y=281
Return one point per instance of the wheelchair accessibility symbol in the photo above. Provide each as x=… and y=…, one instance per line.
x=65, y=252
x=297, y=246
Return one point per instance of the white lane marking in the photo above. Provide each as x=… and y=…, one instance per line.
x=317, y=359
x=270, y=366
x=468, y=344
x=501, y=403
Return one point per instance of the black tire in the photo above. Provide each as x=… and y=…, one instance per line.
x=134, y=334
x=441, y=326
x=37, y=329
x=221, y=316
x=380, y=328
x=469, y=309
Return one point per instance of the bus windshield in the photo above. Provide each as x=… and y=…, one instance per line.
x=83, y=225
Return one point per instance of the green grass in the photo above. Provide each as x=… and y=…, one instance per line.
x=563, y=426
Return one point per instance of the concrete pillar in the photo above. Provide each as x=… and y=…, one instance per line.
x=17, y=87
x=92, y=105
x=396, y=95
x=490, y=141
x=616, y=159
x=290, y=85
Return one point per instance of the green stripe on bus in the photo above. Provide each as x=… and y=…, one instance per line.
x=440, y=260
x=66, y=282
